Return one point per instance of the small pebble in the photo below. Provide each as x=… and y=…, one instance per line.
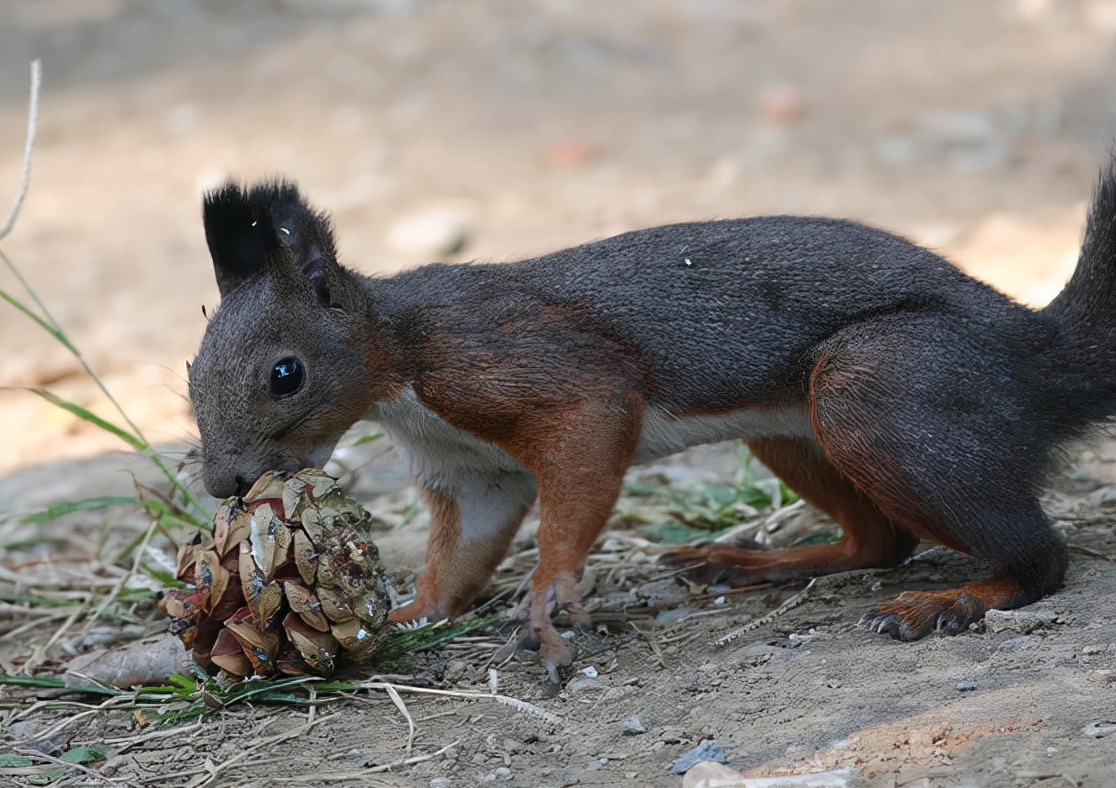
x=440, y=782
x=633, y=726
x=586, y=684
x=706, y=751
x=662, y=593
x=24, y=730
x=589, y=671
x=670, y=616
x=1098, y=730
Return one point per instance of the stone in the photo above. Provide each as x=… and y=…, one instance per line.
x=633, y=726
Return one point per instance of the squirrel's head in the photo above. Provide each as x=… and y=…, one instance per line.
x=282, y=370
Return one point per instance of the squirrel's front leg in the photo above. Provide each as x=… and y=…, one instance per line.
x=473, y=518
x=579, y=461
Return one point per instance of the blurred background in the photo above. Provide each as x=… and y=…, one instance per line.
x=494, y=130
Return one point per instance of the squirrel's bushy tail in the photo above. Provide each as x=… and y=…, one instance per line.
x=1085, y=311
x=1088, y=302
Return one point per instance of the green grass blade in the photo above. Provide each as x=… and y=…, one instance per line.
x=670, y=532
x=88, y=754
x=42, y=682
x=408, y=641
x=182, y=681
x=84, y=504
x=43, y=324
x=10, y=760
x=87, y=415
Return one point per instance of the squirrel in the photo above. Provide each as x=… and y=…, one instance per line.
x=890, y=390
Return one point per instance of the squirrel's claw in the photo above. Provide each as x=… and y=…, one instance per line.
x=417, y=610
x=537, y=608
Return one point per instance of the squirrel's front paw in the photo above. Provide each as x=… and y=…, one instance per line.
x=537, y=608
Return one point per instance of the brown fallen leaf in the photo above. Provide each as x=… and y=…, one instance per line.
x=148, y=661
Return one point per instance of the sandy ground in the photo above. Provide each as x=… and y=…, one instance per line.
x=514, y=127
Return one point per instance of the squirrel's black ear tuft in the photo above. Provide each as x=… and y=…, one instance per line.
x=241, y=231
x=306, y=252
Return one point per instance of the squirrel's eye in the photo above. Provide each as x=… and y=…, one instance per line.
x=286, y=377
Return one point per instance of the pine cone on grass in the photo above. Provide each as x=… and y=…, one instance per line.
x=289, y=583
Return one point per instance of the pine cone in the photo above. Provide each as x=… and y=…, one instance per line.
x=289, y=583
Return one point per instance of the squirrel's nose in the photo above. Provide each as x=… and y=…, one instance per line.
x=222, y=485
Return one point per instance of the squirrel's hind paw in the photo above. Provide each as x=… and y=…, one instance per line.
x=715, y=564
x=915, y=614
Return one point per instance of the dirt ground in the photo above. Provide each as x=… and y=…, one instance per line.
x=513, y=127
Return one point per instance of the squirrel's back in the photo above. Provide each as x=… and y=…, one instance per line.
x=722, y=313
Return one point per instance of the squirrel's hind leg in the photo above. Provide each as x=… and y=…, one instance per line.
x=917, y=436
x=870, y=539
x=920, y=417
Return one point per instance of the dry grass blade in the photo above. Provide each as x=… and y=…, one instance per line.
x=32, y=121
x=124, y=743
x=89, y=710
x=40, y=653
x=399, y=704
x=360, y=777
x=790, y=604
x=387, y=767
x=519, y=705
x=528, y=708
x=137, y=558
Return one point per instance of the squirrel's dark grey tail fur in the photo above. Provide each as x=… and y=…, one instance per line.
x=1089, y=299
x=1085, y=311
